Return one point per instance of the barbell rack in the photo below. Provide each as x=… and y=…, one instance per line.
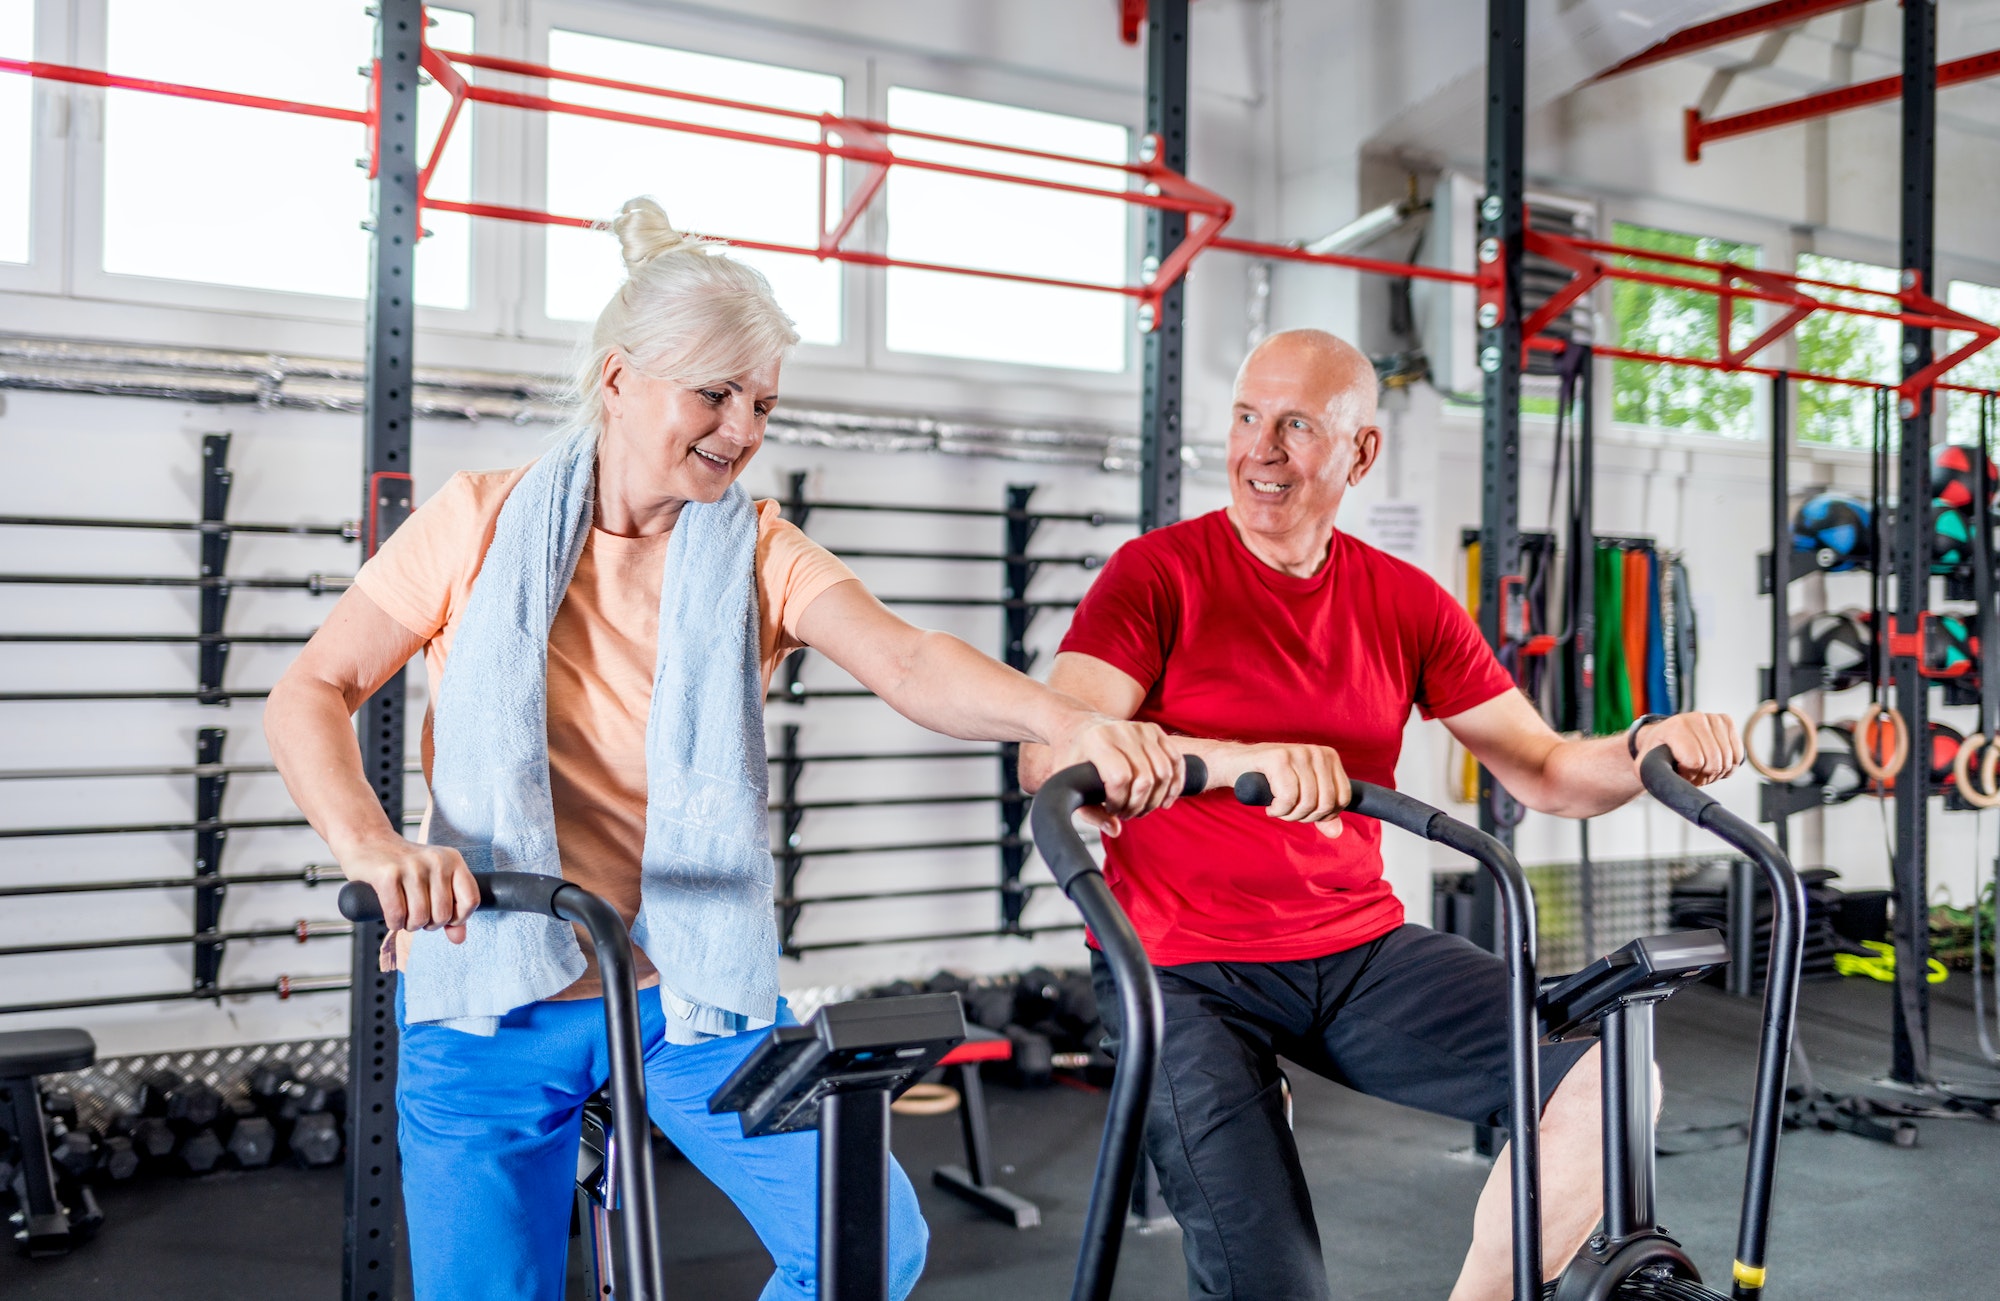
x=312, y=874
x=301, y=931
x=283, y=987
x=348, y=532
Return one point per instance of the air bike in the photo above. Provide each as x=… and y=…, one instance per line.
x=1631, y=1256
x=836, y=1073
x=839, y=1071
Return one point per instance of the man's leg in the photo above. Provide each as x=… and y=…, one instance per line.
x=1421, y=1019
x=1216, y=1131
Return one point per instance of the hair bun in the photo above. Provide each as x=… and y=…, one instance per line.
x=644, y=233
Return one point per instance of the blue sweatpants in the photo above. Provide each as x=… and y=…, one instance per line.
x=489, y=1136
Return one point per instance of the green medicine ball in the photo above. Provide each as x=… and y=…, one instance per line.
x=1951, y=537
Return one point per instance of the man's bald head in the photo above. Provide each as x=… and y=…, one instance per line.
x=1320, y=363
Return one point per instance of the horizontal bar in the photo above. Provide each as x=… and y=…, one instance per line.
x=311, y=874
x=840, y=851
x=936, y=938
x=168, y=828
x=1700, y=131
x=156, y=770
x=899, y=801
x=970, y=557
x=1709, y=363
x=980, y=602
x=802, y=694
x=870, y=896
x=111, y=81
x=1376, y=266
x=1729, y=27
x=284, y=987
x=314, y=583
x=349, y=532
x=1094, y=518
x=301, y=932
x=884, y=756
x=100, y=697
x=158, y=638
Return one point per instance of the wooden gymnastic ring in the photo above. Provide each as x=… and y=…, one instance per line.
x=1806, y=727
x=926, y=1100
x=1989, y=769
x=1864, y=750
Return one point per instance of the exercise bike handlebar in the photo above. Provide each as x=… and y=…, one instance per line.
x=1141, y=1018
x=1517, y=905
x=551, y=896
x=1781, y=997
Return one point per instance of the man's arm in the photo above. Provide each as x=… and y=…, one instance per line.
x=1307, y=781
x=1581, y=777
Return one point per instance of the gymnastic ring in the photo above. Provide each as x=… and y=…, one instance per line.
x=1807, y=729
x=1989, y=769
x=926, y=1100
x=1864, y=749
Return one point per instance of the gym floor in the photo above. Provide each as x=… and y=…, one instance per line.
x=1854, y=1218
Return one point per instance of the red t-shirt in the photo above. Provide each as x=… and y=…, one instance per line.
x=1231, y=649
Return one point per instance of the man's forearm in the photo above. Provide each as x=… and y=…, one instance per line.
x=1584, y=777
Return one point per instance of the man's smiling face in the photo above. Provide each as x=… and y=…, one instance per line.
x=1296, y=436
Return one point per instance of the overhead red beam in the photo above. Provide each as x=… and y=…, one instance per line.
x=1699, y=130
x=1731, y=27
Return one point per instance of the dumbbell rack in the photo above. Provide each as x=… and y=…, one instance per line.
x=1019, y=611
x=207, y=939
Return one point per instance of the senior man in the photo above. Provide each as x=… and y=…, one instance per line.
x=1267, y=640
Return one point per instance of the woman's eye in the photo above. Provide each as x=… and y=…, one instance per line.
x=714, y=397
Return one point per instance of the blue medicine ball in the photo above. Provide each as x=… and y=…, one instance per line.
x=1834, y=527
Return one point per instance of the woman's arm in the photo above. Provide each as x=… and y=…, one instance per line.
x=309, y=723
x=936, y=680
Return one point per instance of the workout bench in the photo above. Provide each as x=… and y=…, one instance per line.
x=973, y=1182
x=45, y=1226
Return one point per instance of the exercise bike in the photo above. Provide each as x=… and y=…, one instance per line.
x=1631, y=1256
x=835, y=1073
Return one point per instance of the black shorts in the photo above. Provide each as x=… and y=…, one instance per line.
x=1415, y=1017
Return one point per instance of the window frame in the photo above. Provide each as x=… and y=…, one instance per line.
x=695, y=35
x=1014, y=90
x=485, y=314
x=52, y=129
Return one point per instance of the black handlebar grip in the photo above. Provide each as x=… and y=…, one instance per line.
x=1197, y=776
x=1254, y=789
x=1667, y=786
x=358, y=902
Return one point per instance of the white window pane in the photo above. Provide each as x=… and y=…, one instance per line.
x=241, y=196
x=997, y=226
x=1852, y=347
x=17, y=133
x=1980, y=370
x=765, y=193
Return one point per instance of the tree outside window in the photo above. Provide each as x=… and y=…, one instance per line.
x=1854, y=347
x=1681, y=323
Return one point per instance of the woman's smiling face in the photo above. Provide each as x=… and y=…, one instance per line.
x=667, y=441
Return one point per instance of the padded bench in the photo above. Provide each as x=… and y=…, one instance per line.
x=48, y=1228
x=973, y=1181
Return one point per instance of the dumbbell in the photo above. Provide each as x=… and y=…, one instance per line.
x=278, y=1093
x=252, y=1138
x=186, y=1105
x=72, y=1147
x=118, y=1157
x=1034, y=995
x=199, y=1152
x=152, y=1138
x=1033, y=1063
x=314, y=1139
x=991, y=1006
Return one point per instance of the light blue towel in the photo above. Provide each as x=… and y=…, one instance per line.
x=705, y=913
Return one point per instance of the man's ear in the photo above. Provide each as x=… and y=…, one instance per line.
x=1367, y=450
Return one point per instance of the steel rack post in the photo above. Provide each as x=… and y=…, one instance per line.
x=209, y=889
x=1160, y=400
x=1910, y=1059
x=372, y=1232
x=213, y=656
x=1019, y=533
x=790, y=769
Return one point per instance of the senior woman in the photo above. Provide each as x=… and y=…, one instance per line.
x=599, y=629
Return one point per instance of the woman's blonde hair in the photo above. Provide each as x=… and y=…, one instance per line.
x=687, y=313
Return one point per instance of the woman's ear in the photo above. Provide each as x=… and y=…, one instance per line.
x=611, y=381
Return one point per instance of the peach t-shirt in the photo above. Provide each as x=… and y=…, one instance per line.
x=602, y=654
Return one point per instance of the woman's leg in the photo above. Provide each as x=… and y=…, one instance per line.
x=489, y=1137
x=774, y=1181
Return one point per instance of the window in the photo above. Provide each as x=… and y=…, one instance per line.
x=996, y=226
x=1854, y=347
x=1980, y=370
x=711, y=186
x=17, y=129
x=251, y=198
x=1682, y=323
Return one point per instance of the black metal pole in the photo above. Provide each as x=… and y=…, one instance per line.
x=373, y=1239
x=1910, y=1060
x=1160, y=409
x=854, y=1196
x=1781, y=613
